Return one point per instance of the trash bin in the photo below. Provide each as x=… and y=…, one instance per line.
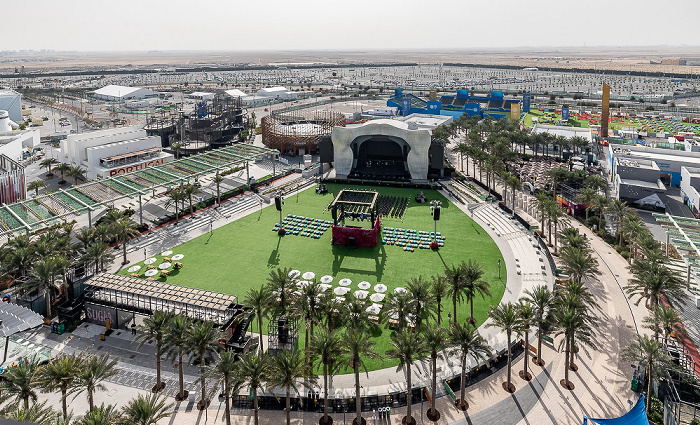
x=635, y=385
x=61, y=328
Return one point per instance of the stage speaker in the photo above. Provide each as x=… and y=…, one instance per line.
x=436, y=214
x=282, y=330
x=437, y=156
x=325, y=147
x=351, y=241
x=278, y=203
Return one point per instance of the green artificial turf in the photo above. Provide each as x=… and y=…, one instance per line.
x=239, y=256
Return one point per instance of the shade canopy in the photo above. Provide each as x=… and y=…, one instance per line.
x=636, y=416
x=15, y=318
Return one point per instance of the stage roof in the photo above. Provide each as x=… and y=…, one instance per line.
x=16, y=318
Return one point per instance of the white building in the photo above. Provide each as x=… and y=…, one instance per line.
x=236, y=93
x=690, y=184
x=11, y=101
x=200, y=95
x=115, y=93
x=278, y=92
x=14, y=143
x=425, y=121
x=111, y=152
x=151, y=102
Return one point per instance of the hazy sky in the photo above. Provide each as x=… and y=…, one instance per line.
x=360, y=24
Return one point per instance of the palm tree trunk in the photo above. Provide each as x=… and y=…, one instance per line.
x=325, y=393
x=527, y=352
x=64, y=403
x=124, y=248
x=432, y=401
x=556, y=236
x=227, y=393
x=288, y=408
x=566, y=362
x=573, y=351
x=454, y=308
x=463, y=382
x=91, y=400
x=539, y=345
x=358, y=399
x=600, y=218
x=26, y=401
x=471, y=310
x=508, y=362
x=177, y=213
x=587, y=210
x=549, y=232
x=648, y=402
x=409, y=396
x=158, y=361
x=47, y=295
x=439, y=310
x=255, y=404
x=181, y=374
x=260, y=330
x=202, y=371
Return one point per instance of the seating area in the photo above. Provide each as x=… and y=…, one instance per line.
x=303, y=226
x=535, y=170
x=411, y=239
x=392, y=206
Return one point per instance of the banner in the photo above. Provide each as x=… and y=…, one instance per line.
x=565, y=113
x=605, y=116
x=526, y=102
x=515, y=112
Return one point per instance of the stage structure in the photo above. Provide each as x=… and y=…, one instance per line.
x=355, y=205
x=298, y=132
x=212, y=124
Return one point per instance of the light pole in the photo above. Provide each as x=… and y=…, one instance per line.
x=435, y=207
x=499, y=268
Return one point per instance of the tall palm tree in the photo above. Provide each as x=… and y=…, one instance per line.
x=571, y=322
x=253, y=370
x=93, y=371
x=286, y=370
x=85, y=235
x=101, y=415
x=654, y=282
x=597, y=183
x=556, y=175
x=455, y=277
x=20, y=383
x=177, y=344
x=407, y=347
x=308, y=307
x=664, y=320
x=153, y=330
x=203, y=341
x=35, y=185
x=175, y=197
x=225, y=372
x=542, y=204
x=358, y=345
x=618, y=210
x=124, y=230
x=398, y=306
x=259, y=300
x=191, y=190
x=506, y=317
x=60, y=373
x=601, y=203
x=528, y=317
x=435, y=341
x=555, y=215
x=76, y=173
x=355, y=313
x=474, y=285
x=48, y=163
x=586, y=196
x=467, y=342
x=579, y=263
x=648, y=353
x=43, y=277
x=280, y=283
x=218, y=179
x=438, y=289
x=326, y=347
x=423, y=302
x=37, y=413
x=146, y=410
x=98, y=253
x=542, y=299
x=63, y=168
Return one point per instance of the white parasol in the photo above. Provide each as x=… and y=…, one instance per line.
x=380, y=287
x=151, y=272
x=178, y=257
x=400, y=290
x=364, y=285
x=374, y=309
x=324, y=287
x=294, y=274
x=166, y=253
x=134, y=268
x=345, y=282
x=327, y=279
x=361, y=295
x=309, y=275
x=150, y=260
x=341, y=291
x=377, y=298
x=164, y=266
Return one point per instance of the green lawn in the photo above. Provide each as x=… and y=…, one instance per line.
x=240, y=255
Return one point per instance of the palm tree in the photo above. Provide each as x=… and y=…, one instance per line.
x=308, y=307
x=101, y=415
x=48, y=163
x=664, y=320
x=506, y=317
x=600, y=203
x=657, y=280
x=218, y=179
x=419, y=293
x=543, y=208
x=19, y=383
x=259, y=300
x=253, y=370
x=596, y=183
x=124, y=230
x=355, y=312
x=43, y=277
x=177, y=344
x=76, y=173
x=93, y=370
x=281, y=284
x=326, y=348
x=190, y=190
x=176, y=147
x=154, y=329
x=435, y=341
x=35, y=185
x=146, y=410
x=542, y=299
x=398, y=306
x=586, y=196
x=651, y=355
x=618, y=210
x=286, y=369
x=455, y=276
x=407, y=347
x=98, y=253
x=60, y=373
x=556, y=175
x=357, y=345
x=62, y=168
x=572, y=322
x=225, y=371
x=203, y=341
x=37, y=413
x=474, y=285
x=528, y=317
x=85, y=235
x=468, y=342
x=555, y=215
x=438, y=290
x=175, y=197
x=579, y=263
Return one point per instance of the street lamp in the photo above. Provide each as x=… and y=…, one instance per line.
x=435, y=207
x=499, y=268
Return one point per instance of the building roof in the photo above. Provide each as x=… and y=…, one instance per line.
x=235, y=93
x=394, y=123
x=277, y=89
x=15, y=318
x=116, y=91
x=201, y=93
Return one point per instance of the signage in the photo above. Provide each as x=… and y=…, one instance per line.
x=565, y=113
x=100, y=314
x=526, y=102
x=406, y=103
x=136, y=167
x=515, y=112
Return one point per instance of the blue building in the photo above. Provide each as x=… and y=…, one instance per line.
x=493, y=105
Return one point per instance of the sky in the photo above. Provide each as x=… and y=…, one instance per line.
x=142, y=25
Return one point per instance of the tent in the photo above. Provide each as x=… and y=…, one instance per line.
x=636, y=416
